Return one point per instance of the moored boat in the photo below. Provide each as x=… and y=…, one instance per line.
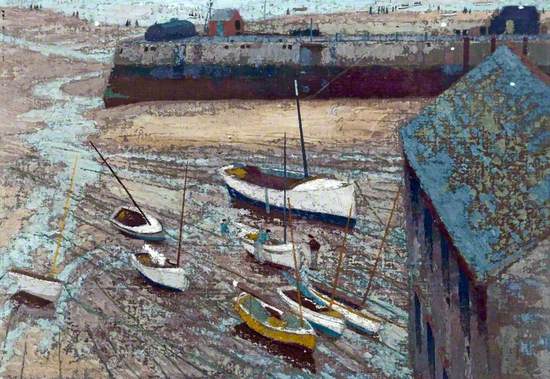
x=357, y=318
x=324, y=320
x=155, y=267
x=275, y=324
x=131, y=222
x=275, y=252
x=41, y=286
x=315, y=198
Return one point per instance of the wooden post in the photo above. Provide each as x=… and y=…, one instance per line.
x=53, y=270
x=284, y=189
x=381, y=248
x=340, y=260
x=181, y=215
x=298, y=279
x=304, y=158
x=120, y=182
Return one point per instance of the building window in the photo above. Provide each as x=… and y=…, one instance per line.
x=431, y=349
x=418, y=323
x=464, y=301
x=428, y=236
x=146, y=48
x=445, y=266
x=415, y=199
x=289, y=47
x=120, y=51
x=238, y=24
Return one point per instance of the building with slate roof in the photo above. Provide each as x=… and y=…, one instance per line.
x=477, y=174
x=225, y=22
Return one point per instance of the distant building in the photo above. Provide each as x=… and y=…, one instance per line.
x=171, y=30
x=516, y=20
x=477, y=173
x=225, y=22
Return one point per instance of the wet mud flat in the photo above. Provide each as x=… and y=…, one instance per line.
x=135, y=326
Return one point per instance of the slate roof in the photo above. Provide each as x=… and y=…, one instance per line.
x=482, y=154
x=223, y=14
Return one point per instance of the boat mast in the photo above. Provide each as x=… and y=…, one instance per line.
x=306, y=174
x=340, y=260
x=381, y=248
x=120, y=182
x=53, y=270
x=295, y=264
x=181, y=214
x=284, y=189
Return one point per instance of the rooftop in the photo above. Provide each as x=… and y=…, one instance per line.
x=482, y=154
x=223, y=14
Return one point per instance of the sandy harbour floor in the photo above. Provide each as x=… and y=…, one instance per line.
x=110, y=322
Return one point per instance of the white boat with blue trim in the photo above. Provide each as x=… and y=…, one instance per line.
x=324, y=320
x=357, y=318
x=316, y=198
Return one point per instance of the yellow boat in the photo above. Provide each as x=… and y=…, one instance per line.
x=275, y=324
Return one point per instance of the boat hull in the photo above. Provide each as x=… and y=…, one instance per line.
x=329, y=205
x=278, y=255
x=49, y=290
x=306, y=340
x=324, y=323
x=152, y=232
x=169, y=277
x=356, y=319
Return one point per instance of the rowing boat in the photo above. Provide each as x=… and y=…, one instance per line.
x=273, y=323
x=44, y=287
x=275, y=252
x=357, y=318
x=155, y=267
x=315, y=198
x=131, y=222
x=324, y=320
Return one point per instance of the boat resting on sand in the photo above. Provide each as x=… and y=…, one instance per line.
x=315, y=198
x=324, y=320
x=153, y=266
x=355, y=317
x=132, y=223
x=270, y=322
x=41, y=286
x=275, y=252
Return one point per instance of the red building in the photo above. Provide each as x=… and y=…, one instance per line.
x=226, y=22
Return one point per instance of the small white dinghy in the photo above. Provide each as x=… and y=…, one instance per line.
x=357, y=318
x=323, y=319
x=155, y=267
x=44, y=287
x=131, y=222
x=275, y=252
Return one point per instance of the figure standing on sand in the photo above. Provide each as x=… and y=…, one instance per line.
x=224, y=228
x=314, y=248
x=263, y=237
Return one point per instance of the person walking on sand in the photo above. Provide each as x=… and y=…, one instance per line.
x=314, y=248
